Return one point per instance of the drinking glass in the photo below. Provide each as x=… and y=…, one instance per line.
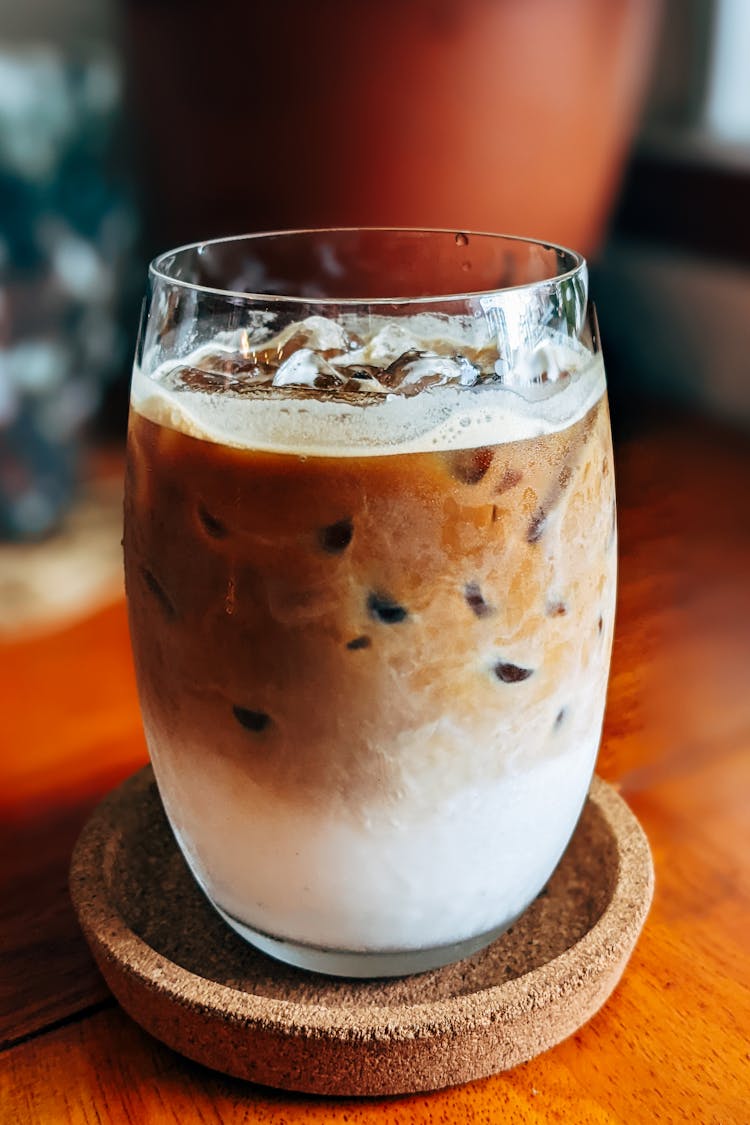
x=370, y=564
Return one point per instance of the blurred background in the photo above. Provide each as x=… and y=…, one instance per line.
x=618, y=127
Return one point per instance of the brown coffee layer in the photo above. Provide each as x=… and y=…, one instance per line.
x=330, y=624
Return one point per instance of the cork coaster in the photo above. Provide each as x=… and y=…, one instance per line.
x=189, y=980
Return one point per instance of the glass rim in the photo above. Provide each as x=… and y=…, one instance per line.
x=157, y=270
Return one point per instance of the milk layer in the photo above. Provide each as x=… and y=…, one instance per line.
x=404, y=880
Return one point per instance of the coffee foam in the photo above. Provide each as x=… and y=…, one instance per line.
x=438, y=418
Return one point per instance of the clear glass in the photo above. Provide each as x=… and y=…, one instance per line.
x=370, y=562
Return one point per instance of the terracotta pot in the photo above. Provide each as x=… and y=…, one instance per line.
x=510, y=115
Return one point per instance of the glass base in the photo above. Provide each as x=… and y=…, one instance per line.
x=361, y=964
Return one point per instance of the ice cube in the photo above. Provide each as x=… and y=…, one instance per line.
x=235, y=363
x=386, y=346
x=229, y=374
x=307, y=368
x=193, y=379
x=416, y=371
x=545, y=363
x=316, y=333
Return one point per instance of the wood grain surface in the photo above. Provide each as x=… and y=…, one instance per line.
x=672, y=1044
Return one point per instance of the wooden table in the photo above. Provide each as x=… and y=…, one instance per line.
x=671, y=1045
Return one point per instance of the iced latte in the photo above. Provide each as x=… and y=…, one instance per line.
x=371, y=579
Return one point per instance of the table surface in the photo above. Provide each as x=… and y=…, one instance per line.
x=672, y=1044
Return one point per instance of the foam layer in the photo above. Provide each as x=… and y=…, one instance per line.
x=547, y=390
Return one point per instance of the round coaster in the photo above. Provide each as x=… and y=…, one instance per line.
x=189, y=980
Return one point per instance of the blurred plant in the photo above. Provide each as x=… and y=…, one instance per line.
x=67, y=229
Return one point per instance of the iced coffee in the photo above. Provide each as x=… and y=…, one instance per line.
x=371, y=581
